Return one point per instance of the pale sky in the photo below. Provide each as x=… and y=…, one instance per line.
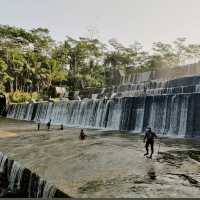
x=145, y=21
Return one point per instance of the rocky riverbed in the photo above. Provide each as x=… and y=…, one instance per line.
x=107, y=164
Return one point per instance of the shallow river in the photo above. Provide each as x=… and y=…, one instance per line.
x=107, y=164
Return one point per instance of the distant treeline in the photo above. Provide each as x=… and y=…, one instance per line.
x=30, y=61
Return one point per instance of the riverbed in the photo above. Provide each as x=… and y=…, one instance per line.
x=106, y=164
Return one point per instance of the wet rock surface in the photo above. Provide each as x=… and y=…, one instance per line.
x=107, y=164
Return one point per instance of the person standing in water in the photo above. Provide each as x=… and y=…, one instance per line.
x=38, y=125
x=82, y=135
x=49, y=124
x=149, y=138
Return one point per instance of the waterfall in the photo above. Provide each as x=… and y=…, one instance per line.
x=15, y=177
x=101, y=114
x=166, y=114
x=23, y=183
x=115, y=108
x=169, y=107
x=49, y=191
x=183, y=117
x=3, y=159
x=132, y=114
x=41, y=185
x=21, y=111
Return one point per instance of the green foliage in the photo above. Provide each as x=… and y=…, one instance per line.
x=31, y=61
x=16, y=34
x=3, y=75
x=28, y=57
x=35, y=96
x=19, y=97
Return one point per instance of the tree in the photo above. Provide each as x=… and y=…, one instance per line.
x=32, y=61
x=125, y=60
x=3, y=75
x=166, y=54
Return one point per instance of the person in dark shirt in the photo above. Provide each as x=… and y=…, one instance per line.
x=82, y=135
x=49, y=124
x=149, y=138
x=38, y=125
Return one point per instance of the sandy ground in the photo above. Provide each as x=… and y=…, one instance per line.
x=107, y=164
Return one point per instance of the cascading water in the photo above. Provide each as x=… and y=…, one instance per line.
x=15, y=177
x=23, y=183
x=21, y=111
x=3, y=159
x=168, y=107
x=49, y=191
x=167, y=114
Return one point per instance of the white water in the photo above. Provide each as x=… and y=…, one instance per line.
x=44, y=189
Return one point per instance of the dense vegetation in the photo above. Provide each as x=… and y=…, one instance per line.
x=30, y=61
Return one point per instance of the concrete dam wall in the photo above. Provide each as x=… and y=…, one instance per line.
x=170, y=108
x=176, y=115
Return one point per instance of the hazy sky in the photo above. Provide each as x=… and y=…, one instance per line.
x=126, y=20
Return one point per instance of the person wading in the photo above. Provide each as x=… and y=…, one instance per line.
x=82, y=135
x=149, y=138
x=49, y=124
x=38, y=125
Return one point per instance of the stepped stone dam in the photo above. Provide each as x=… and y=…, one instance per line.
x=170, y=107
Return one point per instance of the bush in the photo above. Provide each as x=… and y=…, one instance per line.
x=19, y=97
x=35, y=96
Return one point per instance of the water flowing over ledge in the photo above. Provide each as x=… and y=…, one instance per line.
x=174, y=115
x=17, y=181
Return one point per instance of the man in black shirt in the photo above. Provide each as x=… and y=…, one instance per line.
x=49, y=124
x=149, y=138
x=82, y=135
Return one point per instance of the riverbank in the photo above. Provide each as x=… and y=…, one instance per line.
x=107, y=164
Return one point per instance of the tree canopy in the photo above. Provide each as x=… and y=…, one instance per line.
x=31, y=61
